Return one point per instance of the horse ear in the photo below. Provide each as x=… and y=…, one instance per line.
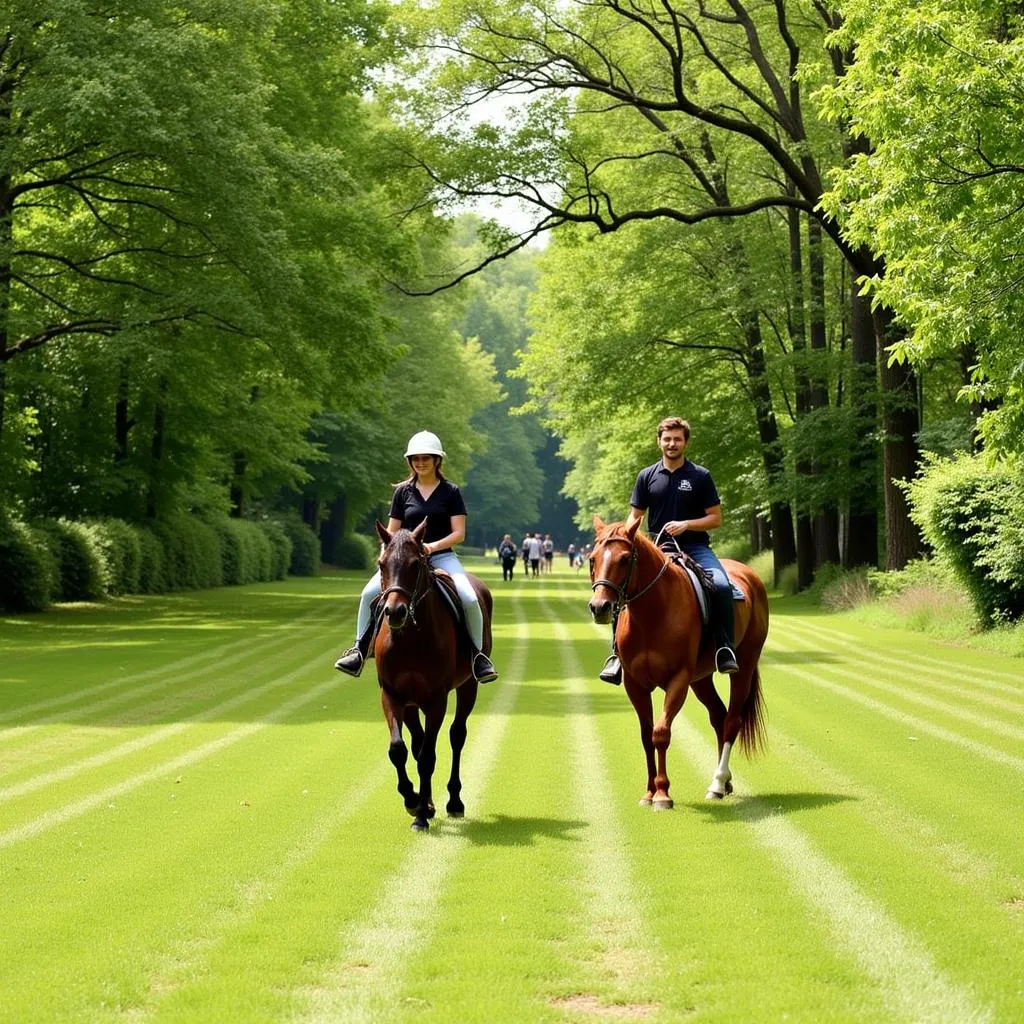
x=382, y=532
x=420, y=530
x=631, y=532
x=599, y=524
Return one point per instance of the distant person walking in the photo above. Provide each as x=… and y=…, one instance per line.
x=507, y=553
x=524, y=553
x=571, y=552
x=549, y=553
x=536, y=551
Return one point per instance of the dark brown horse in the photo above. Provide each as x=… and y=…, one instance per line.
x=659, y=643
x=421, y=656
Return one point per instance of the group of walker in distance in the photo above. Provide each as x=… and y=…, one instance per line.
x=658, y=638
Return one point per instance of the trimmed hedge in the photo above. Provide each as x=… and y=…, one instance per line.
x=60, y=560
x=28, y=569
x=354, y=552
x=305, y=560
x=971, y=511
x=81, y=563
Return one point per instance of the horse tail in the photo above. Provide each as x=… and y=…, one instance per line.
x=753, y=735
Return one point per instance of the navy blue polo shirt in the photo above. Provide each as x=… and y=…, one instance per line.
x=444, y=502
x=685, y=493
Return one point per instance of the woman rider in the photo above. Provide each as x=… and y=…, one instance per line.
x=426, y=494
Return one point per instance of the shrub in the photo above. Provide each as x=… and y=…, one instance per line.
x=354, y=552
x=81, y=566
x=121, y=547
x=151, y=565
x=305, y=560
x=191, y=553
x=28, y=569
x=280, y=548
x=845, y=590
x=971, y=511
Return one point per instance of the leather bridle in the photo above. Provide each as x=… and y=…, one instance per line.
x=413, y=597
x=622, y=596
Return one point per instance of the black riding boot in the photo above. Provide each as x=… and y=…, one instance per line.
x=483, y=668
x=352, y=660
x=612, y=670
x=725, y=631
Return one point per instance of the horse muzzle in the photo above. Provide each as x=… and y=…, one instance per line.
x=600, y=609
x=397, y=616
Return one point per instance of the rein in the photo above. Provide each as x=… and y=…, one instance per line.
x=622, y=598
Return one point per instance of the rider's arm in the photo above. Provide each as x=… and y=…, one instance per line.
x=394, y=525
x=711, y=520
x=636, y=515
x=457, y=536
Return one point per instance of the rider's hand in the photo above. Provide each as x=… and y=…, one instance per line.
x=676, y=527
x=428, y=548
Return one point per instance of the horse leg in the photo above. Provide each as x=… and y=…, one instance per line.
x=708, y=696
x=434, y=716
x=641, y=701
x=397, y=752
x=465, y=699
x=412, y=723
x=675, y=694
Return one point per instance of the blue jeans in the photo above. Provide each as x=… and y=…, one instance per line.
x=448, y=561
x=725, y=614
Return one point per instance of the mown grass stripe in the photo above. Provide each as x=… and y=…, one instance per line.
x=630, y=951
x=898, y=689
x=61, y=815
x=162, y=674
x=149, y=738
x=363, y=984
x=897, y=820
x=79, y=716
x=960, y=661
x=961, y=679
x=903, y=969
x=920, y=724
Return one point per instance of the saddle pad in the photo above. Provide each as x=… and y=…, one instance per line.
x=698, y=589
x=447, y=589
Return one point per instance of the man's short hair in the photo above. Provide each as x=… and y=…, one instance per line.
x=674, y=423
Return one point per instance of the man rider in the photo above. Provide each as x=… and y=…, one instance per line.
x=681, y=502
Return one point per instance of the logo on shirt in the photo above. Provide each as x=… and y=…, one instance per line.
x=685, y=485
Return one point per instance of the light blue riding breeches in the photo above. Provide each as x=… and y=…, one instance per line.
x=448, y=561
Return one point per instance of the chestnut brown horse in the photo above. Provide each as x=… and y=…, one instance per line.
x=659, y=643
x=421, y=656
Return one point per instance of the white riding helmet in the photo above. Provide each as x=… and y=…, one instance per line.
x=424, y=443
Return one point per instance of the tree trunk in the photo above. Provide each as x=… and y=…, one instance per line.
x=862, y=528
x=802, y=387
x=900, y=424
x=156, y=450
x=783, y=538
x=826, y=515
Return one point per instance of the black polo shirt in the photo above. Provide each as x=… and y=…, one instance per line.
x=685, y=493
x=444, y=502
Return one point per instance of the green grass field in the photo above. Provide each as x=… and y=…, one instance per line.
x=198, y=822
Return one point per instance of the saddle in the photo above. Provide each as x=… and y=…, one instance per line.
x=700, y=580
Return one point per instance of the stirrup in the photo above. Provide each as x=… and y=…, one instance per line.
x=486, y=672
x=612, y=671
x=351, y=662
x=725, y=661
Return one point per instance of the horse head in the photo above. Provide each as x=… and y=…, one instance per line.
x=612, y=563
x=404, y=573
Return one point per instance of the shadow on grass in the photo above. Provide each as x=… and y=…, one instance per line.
x=766, y=805
x=502, y=830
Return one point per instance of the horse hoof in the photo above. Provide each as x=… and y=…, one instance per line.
x=419, y=825
x=663, y=805
x=646, y=802
x=712, y=795
x=456, y=812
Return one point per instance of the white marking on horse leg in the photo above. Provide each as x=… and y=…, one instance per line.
x=722, y=776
